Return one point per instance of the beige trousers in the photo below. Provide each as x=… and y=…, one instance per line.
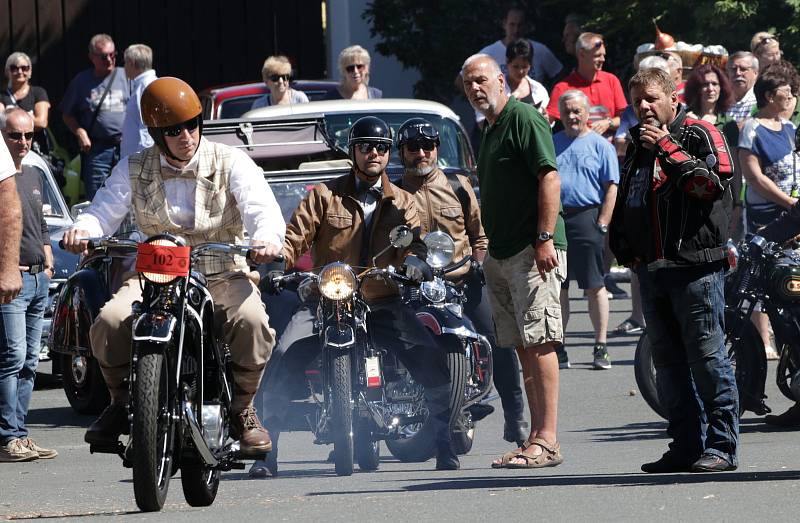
x=238, y=309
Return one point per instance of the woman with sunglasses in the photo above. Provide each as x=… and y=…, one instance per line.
x=354, y=67
x=277, y=73
x=766, y=48
x=20, y=93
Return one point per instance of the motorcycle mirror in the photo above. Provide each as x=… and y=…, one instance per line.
x=401, y=236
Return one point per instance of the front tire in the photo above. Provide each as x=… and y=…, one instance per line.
x=368, y=451
x=342, y=412
x=152, y=432
x=200, y=484
x=83, y=384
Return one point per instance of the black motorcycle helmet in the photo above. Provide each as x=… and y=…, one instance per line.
x=368, y=129
x=415, y=129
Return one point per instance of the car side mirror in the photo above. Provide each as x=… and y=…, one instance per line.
x=77, y=209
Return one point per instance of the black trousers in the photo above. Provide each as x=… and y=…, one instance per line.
x=391, y=324
x=506, y=365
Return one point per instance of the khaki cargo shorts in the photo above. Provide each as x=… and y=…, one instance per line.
x=526, y=309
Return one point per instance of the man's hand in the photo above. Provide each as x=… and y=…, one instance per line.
x=264, y=253
x=601, y=126
x=651, y=134
x=74, y=241
x=545, y=257
x=84, y=143
x=10, y=284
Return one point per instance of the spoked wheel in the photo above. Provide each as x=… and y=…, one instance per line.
x=367, y=450
x=342, y=412
x=152, y=432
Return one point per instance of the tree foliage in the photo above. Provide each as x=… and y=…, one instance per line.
x=436, y=37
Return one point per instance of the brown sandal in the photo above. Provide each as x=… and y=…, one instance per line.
x=508, y=456
x=550, y=456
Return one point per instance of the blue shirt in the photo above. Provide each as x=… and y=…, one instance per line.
x=585, y=164
x=135, y=136
x=774, y=150
x=83, y=95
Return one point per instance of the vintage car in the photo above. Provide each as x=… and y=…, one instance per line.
x=232, y=101
x=296, y=152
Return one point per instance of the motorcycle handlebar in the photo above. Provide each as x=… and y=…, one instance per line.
x=458, y=265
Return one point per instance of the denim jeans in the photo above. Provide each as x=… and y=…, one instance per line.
x=685, y=313
x=20, y=342
x=96, y=165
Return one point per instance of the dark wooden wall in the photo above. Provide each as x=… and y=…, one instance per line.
x=205, y=42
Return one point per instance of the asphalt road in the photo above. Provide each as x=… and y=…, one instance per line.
x=605, y=429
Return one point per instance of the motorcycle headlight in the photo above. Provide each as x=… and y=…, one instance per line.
x=441, y=249
x=337, y=281
x=161, y=260
x=435, y=291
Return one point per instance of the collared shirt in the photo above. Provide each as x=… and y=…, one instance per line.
x=742, y=109
x=605, y=90
x=368, y=197
x=134, y=133
x=261, y=214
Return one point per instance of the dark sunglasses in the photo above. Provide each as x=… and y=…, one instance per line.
x=352, y=67
x=18, y=136
x=366, y=147
x=23, y=68
x=276, y=77
x=426, y=144
x=107, y=56
x=176, y=130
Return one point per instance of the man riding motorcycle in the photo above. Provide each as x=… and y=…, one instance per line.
x=202, y=191
x=447, y=202
x=348, y=219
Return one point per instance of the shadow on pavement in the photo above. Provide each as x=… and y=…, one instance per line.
x=58, y=417
x=629, y=432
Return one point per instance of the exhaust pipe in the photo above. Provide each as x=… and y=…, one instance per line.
x=197, y=436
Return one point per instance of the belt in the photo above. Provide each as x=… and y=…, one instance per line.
x=576, y=210
x=35, y=269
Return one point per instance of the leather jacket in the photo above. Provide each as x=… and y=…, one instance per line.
x=688, y=198
x=330, y=222
x=440, y=209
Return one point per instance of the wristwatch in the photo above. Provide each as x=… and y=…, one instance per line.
x=545, y=236
x=602, y=227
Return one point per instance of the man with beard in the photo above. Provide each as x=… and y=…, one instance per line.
x=742, y=70
x=446, y=202
x=526, y=262
x=669, y=226
x=348, y=219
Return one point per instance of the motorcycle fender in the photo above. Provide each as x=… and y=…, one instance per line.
x=78, y=302
x=155, y=327
x=339, y=336
x=441, y=321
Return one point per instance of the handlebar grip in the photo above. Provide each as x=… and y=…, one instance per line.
x=278, y=259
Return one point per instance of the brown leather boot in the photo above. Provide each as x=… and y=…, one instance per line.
x=106, y=429
x=790, y=418
x=253, y=439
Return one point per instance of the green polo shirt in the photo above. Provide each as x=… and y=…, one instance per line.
x=512, y=152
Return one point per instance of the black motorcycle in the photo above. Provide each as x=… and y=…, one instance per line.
x=768, y=275
x=439, y=307
x=180, y=381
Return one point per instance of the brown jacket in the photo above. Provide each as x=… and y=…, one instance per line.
x=440, y=210
x=330, y=222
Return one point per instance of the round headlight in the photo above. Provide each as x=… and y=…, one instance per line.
x=441, y=249
x=337, y=281
x=156, y=277
x=435, y=291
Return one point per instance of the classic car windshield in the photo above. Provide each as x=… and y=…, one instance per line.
x=452, y=151
x=51, y=207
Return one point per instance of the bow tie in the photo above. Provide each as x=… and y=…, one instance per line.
x=375, y=191
x=171, y=172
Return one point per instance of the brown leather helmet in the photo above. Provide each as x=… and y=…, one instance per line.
x=169, y=101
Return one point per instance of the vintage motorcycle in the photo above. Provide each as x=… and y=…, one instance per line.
x=768, y=275
x=360, y=392
x=180, y=380
x=439, y=307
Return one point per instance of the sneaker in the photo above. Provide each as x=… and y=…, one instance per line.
x=601, y=359
x=44, y=453
x=614, y=291
x=628, y=327
x=563, y=358
x=14, y=450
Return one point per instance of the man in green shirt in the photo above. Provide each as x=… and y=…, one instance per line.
x=520, y=204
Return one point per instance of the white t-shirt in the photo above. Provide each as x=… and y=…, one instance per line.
x=7, y=169
x=545, y=65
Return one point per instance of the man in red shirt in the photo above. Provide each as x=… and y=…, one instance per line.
x=603, y=89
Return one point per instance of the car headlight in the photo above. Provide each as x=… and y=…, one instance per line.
x=161, y=260
x=435, y=291
x=337, y=281
x=441, y=249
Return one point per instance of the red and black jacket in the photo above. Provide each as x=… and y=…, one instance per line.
x=689, y=200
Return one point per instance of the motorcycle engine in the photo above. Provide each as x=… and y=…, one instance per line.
x=213, y=430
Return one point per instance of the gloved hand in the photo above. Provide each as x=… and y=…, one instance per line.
x=271, y=285
x=418, y=270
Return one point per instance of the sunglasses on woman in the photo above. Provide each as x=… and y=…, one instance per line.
x=352, y=67
x=276, y=77
x=366, y=147
x=23, y=68
x=18, y=136
x=176, y=130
